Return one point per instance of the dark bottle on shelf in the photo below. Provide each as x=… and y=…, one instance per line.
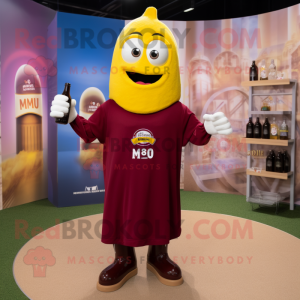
x=286, y=162
x=282, y=160
x=64, y=120
x=257, y=129
x=266, y=129
x=253, y=72
x=274, y=158
x=269, y=162
x=249, y=128
x=278, y=163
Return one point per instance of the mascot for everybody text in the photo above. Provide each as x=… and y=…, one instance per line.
x=143, y=127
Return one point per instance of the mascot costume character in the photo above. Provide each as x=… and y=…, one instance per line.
x=143, y=127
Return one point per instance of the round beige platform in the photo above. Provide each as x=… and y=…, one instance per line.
x=218, y=261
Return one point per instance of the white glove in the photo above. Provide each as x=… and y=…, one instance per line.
x=60, y=106
x=217, y=124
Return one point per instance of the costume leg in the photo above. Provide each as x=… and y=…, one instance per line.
x=123, y=268
x=159, y=263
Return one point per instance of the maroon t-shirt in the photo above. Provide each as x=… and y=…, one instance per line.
x=142, y=161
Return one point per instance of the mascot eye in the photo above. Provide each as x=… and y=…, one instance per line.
x=157, y=53
x=136, y=52
x=132, y=50
x=154, y=54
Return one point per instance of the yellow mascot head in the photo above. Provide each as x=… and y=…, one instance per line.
x=144, y=74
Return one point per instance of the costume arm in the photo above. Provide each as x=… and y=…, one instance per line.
x=195, y=131
x=93, y=128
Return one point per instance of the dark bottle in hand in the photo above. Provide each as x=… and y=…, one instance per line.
x=278, y=163
x=266, y=129
x=269, y=162
x=65, y=118
x=249, y=129
x=253, y=72
x=257, y=129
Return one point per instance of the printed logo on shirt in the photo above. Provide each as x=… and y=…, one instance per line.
x=143, y=137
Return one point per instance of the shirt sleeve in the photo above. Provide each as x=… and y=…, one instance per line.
x=93, y=128
x=194, y=130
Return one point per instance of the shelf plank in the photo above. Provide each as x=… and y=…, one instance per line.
x=272, y=94
x=266, y=142
x=270, y=174
x=266, y=82
x=264, y=112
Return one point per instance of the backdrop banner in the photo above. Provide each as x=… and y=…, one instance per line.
x=217, y=59
x=83, y=59
x=24, y=113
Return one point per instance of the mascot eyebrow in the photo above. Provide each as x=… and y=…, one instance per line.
x=157, y=34
x=142, y=35
x=136, y=33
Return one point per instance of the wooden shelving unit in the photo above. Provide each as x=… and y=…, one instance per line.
x=261, y=112
x=291, y=83
x=267, y=142
x=267, y=82
x=275, y=175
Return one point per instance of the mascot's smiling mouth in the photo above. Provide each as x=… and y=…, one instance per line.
x=142, y=78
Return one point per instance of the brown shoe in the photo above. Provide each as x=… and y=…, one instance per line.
x=160, y=264
x=122, y=269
